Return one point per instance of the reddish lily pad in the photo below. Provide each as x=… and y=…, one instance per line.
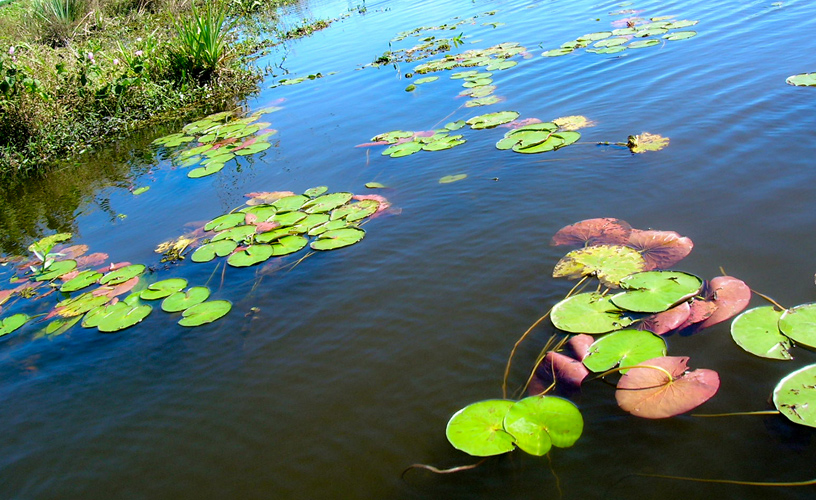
x=666, y=321
x=562, y=370
x=660, y=249
x=730, y=295
x=593, y=232
x=650, y=393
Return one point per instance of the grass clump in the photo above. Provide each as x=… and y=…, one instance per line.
x=74, y=73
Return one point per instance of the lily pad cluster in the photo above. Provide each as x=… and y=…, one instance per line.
x=107, y=298
x=636, y=33
x=537, y=138
x=284, y=82
x=217, y=139
x=534, y=424
x=404, y=142
x=282, y=223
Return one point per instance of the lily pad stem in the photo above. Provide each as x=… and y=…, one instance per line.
x=809, y=482
x=444, y=471
x=737, y=413
x=620, y=368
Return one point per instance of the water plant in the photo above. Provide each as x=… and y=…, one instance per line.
x=203, y=43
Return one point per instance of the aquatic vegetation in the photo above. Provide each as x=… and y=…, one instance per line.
x=218, y=139
x=634, y=33
x=802, y=80
x=452, y=178
x=404, y=143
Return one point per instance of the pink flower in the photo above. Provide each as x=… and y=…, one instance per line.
x=139, y=53
x=90, y=56
x=11, y=50
x=116, y=62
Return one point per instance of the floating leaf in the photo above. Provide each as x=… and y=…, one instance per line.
x=539, y=422
x=180, y=300
x=478, y=429
x=757, y=332
x=61, y=325
x=403, y=149
x=656, y=291
x=483, y=101
x=122, y=274
x=561, y=369
x=802, y=80
x=56, y=270
x=557, y=52
x=799, y=323
x=590, y=313
x=326, y=202
x=236, y=234
x=204, y=313
x=250, y=255
x=593, y=232
x=338, y=238
x=225, y=222
x=795, y=396
x=374, y=185
x=410, y=88
x=315, y=191
x=427, y=79
x=13, y=322
x=666, y=321
x=80, y=281
x=124, y=317
x=452, y=178
x=608, y=263
x=94, y=316
x=574, y=122
x=639, y=44
x=309, y=222
x=680, y=35
x=288, y=244
x=210, y=169
x=730, y=295
x=500, y=65
x=140, y=190
x=649, y=393
x=290, y=203
x=209, y=251
x=163, y=288
x=611, y=42
x=646, y=142
x=595, y=36
x=455, y=125
x=491, y=120
x=624, y=348
x=660, y=249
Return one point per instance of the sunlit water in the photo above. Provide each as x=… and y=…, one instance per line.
x=355, y=359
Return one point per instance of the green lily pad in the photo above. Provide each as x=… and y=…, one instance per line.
x=427, y=79
x=410, y=88
x=523, y=139
x=650, y=32
x=452, y=178
x=338, y=238
x=80, y=281
x=455, y=125
x=252, y=149
x=328, y=226
x=464, y=74
x=361, y=210
x=374, y=185
x=122, y=274
x=795, y=396
x=392, y=136
x=140, y=190
x=680, y=35
x=288, y=244
x=611, y=50
x=290, y=203
x=60, y=325
x=491, y=120
x=656, y=291
x=209, y=251
x=478, y=429
x=288, y=219
x=326, y=203
x=163, y=288
x=611, y=42
x=591, y=37
x=173, y=140
x=56, y=270
x=180, y=300
x=79, y=305
x=557, y=52
x=444, y=143
x=13, y=322
x=404, y=149
x=480, y=82
x=273, y=235
x=482, y=101
x=757, y=331
x=681, y=24
x=315, y=191
x=799, y=324
x=204, y=313
x=609, y=263
x=94, y=316
x=623, y=348
x=539, y=422
x=639, y=44
x=309, y=222
x=210, y=169
x=802, y=80
x=123, y=317
x=590, y=313
x=478, y=92
x=501, y=65
x=250, y=255
x=236, y=234
x=226, y=221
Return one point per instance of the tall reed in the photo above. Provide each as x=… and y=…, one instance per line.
x=202, y=43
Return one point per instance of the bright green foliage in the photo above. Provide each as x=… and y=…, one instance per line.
x=122, y=274
x=623, y=348
x=590, y=313
x=123, y=317
x=179, y=301
x=609, y=263
x=656, y=291
x=80, y=281
x=204, y=313
x=799, y=324
x=757, y=331
x=163, y=288
x=13, y=322
x=478, y=429
x=537, y=423
x=795, y=396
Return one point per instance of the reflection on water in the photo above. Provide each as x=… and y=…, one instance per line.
x=328, y=378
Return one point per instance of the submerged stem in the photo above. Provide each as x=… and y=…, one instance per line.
x=808, y=482
x=737, y=413
x=444, y=471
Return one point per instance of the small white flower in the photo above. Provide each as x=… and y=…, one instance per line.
x=139, y=39
x=139, y=53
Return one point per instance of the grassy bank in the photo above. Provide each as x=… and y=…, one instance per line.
x=75, y=73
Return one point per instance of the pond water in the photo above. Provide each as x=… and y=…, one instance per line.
x=329, y=378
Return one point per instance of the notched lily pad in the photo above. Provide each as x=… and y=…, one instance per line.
x=623, y=348
x=181, y=300
x=590, y=313
x=338, y=238
x=478, y=429
x=205, y=312
x=539, y=422
x=757, y=331
x=795, y=396
x=491, y=120
x=656, y=291
x=608, y=263
x=122, y=274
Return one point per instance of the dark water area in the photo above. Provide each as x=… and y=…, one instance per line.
x=329, y=378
